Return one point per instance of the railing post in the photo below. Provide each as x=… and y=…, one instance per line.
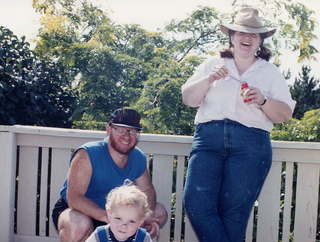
x=7, y=184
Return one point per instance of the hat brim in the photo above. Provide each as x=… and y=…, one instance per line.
x=240, y=28
x=127, y=126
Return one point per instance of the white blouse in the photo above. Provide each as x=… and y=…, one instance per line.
x=222, y=100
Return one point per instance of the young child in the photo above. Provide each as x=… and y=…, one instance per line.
x=127, y=208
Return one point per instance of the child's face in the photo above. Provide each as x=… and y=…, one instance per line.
x=125, y=220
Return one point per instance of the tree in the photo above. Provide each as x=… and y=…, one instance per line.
x=108, y=81
x=311, y=126
x=200, y=33
x=112, y=61
x=307, y=129
x=128, y=66
x=160, y=101
x=305, y=91
x=32, y=91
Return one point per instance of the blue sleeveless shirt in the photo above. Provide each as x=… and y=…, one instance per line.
x=106, y=175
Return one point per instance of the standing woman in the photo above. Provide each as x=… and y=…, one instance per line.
x=231, y=151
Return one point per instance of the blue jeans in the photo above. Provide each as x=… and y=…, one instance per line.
x=227, y=168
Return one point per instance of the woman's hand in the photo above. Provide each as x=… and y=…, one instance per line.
x=254, y=95
x=218, y=72
x=276, y=111
x=195, y=90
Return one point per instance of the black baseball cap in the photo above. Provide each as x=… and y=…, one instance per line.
x=126, y=117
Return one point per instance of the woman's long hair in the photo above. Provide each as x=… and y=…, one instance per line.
x=263, y=52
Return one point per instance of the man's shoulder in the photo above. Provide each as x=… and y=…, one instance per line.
x=138, y=158
x=138, y=152
x=94, y=144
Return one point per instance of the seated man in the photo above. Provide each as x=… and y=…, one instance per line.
x=98, y=167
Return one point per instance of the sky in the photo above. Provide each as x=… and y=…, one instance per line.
x=152, y=15
x=19, y=16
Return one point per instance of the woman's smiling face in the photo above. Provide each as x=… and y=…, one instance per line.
x=245, y=43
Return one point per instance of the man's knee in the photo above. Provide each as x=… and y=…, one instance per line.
x=74, y=226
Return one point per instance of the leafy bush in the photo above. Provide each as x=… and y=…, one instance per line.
x=307, y=129
x=32, y=91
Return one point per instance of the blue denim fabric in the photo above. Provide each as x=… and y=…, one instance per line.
x=227, y=168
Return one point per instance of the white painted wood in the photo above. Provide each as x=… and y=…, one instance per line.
x=287, y=202
x=179, y=194
x=51, y=141
x=306, y=203
x=164, y=148
x=76, y=133
x=189, y=234
x=162, y=180
x=7, y=184
x=60, y=160
x=27, y=190
x=26, y=238
x=269, y=206
x=296, y=145
x=296, y=155
x=249, y=231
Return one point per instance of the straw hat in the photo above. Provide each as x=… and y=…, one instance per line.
x=247, y=20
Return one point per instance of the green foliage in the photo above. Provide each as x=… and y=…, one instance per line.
x=125, y=65
x=108, y=81
x=200, y=32
x=302, y=34
x=113, y=61
x=311, y=126
x=305, y=91
x=289, y=131
x=88, y=123
x=161, y=102
x=307, y=129
x=32, y=91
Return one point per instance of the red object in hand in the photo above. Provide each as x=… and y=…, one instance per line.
x=244, y=92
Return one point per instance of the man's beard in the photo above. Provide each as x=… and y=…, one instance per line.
x=118, y=148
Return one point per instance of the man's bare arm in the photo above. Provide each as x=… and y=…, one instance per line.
x=79, y=176
x=144, y=183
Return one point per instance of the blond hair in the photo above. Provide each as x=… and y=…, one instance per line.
x=128, y=195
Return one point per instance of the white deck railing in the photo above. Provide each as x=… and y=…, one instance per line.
x=34, y=163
